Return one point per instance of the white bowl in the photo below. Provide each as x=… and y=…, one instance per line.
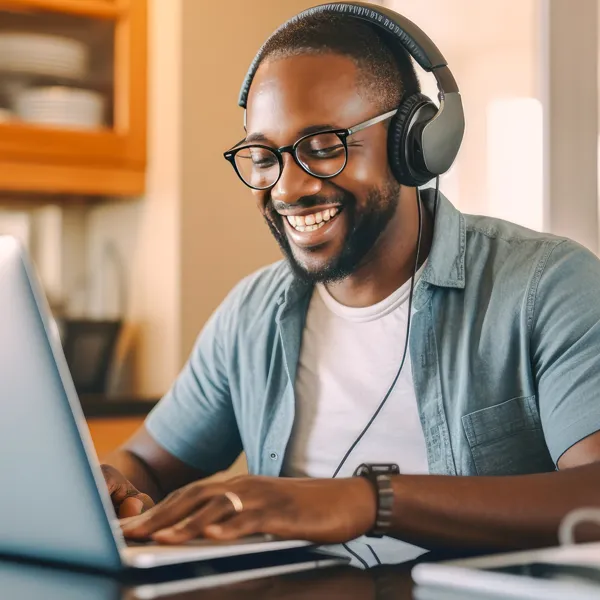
x=61, y=107
x=41, y=54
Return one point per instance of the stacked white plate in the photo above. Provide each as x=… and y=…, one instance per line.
x=61, y=107
x=41, y=54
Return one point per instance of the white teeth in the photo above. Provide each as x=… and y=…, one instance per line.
x=314, y=221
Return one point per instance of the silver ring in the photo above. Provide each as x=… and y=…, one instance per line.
x=238, y=505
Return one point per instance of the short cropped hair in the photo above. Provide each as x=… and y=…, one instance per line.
x=386, y=71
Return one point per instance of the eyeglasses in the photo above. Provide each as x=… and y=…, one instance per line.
x=323, y=154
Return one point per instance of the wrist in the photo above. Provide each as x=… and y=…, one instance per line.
x=364, y=498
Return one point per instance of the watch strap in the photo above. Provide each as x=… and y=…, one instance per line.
x=380, y=478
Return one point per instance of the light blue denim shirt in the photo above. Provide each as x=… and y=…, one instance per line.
x=505, y=349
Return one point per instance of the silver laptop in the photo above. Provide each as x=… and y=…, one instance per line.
x=54, y=504
x=567, y=572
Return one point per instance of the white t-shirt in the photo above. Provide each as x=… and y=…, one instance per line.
x=348, y=361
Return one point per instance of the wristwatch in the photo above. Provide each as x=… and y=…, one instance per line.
x=380, y=477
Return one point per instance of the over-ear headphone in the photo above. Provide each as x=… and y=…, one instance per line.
x=423, y=141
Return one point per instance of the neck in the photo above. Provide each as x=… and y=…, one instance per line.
x=391, y=262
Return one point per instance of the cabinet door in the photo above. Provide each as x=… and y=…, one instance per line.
x=73, y=82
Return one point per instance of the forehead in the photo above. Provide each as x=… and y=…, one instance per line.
x=289, y=94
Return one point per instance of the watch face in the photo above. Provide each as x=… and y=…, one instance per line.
x=377, y=469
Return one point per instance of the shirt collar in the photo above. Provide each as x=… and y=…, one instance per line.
x=446, y=262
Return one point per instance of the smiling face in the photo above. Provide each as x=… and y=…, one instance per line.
x=327, y=228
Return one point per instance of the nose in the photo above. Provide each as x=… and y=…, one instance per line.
x=294, y=183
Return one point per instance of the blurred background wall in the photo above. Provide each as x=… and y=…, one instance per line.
x=528, y=73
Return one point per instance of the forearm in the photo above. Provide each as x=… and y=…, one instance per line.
x=490, y=513
x=136, y=471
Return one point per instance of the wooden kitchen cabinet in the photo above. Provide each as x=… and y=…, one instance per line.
x=107, y=158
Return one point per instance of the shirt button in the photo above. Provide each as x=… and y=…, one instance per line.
x=274, y=456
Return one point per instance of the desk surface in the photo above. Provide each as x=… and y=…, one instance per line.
x=28, y=581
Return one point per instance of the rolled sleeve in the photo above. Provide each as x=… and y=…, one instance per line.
x=566, y=346
x=195, y=421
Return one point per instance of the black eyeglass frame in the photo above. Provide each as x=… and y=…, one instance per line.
x=343, y=135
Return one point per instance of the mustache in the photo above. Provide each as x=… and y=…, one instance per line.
x=311, y=202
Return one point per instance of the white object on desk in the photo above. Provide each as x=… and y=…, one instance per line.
x=480, y=578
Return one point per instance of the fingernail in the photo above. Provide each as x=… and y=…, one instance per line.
x=131, y=507
x=214, y=530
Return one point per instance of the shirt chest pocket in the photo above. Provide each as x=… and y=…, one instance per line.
x=507, y=439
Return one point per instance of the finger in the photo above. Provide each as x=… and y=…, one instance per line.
x=135, y=505
x=215, y=511
x=130, y=507
x=112, y=477
x=122, y=491
x=168, y=513
x=130, y=516
x=240, y=525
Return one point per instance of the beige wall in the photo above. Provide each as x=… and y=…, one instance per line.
x=156, y=275
x=197, y=231
x=492, y=48
x=223, y=236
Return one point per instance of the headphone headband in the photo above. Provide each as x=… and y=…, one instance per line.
x=394, y=26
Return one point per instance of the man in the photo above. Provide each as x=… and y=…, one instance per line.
x=304, y=365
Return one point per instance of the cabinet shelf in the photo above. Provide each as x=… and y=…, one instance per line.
x=105, y=161
x=67, y=179
x=98, y=9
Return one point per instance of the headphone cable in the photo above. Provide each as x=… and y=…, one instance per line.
x=406, y=343
x=387, y=395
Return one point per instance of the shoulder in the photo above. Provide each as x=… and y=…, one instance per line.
x=509, y=239
x=257, y=296
x=509, y=248
x=504, y=232
x=549, y=269
x=263, y=286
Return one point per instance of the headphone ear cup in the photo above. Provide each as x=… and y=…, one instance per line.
x=405, y=153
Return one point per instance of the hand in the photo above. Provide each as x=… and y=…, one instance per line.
x=325, y=511
x=127, y=500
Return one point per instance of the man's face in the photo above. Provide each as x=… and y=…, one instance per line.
x=351, y=210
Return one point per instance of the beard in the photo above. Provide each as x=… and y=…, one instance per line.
x=365, y=225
